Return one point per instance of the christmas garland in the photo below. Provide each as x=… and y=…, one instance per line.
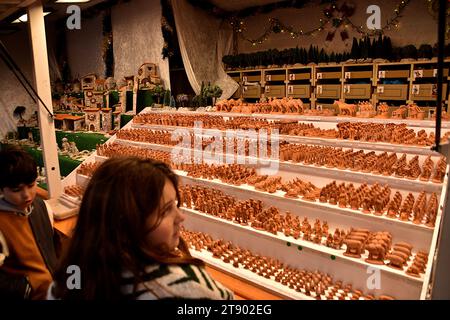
x=338, y=17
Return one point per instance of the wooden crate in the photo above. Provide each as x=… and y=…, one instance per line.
x=392, y=91
x=428, y=73
x=382, y=74
x=426, y=91
x=275, y=77
x=299, y=76
x=328, y=91
x=251, y=78
x=357, y=91
x=328, y=75
x=299, y=90
x=251, y=91
x=277, y=91
x=358, y=74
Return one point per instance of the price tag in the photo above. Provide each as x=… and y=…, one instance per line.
x=434, y=72
x=415, y=89
x=319, y=75
x=348, y=75
x=319, y=107
x=319, y=89
x=292, y=76
x=418, y=74
x=290, y=89
x=381, y=74
x=267, y=89
x=268, y=77
x=380, y=89
x=346, y=89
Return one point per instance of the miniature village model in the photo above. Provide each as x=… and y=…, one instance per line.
x=87, y=104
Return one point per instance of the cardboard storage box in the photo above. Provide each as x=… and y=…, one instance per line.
x=426, y=91
x=277, y=91
x=392, y=91
x=328, y=91
x=328, y=75
x=251, y=91
x=358, y=74
x=275, y=77
x=251, y=78
x=299, y=90
x=357, y=91
x=299, y=76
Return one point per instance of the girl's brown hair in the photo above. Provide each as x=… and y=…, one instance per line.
x=109, y=237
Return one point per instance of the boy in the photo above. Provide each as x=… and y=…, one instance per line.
x=27, y=229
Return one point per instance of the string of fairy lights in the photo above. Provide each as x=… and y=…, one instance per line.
x=276, y=26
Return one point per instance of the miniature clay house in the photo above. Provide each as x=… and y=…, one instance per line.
x=68, y=122
x=88, y=82
x=116, y=119
x=92, y=119
x=148, y=76
x=106, y=119
x=93, y=99
x=130, y=82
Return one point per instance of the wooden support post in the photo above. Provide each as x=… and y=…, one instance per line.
x=42, y=78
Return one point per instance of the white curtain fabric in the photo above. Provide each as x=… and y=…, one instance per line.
x=138, y=38
x=203, y=42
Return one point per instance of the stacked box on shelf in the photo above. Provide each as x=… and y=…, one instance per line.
x=423, y=89
x=251, y=84
x=327, y=86
x=358, y=81
x=393, y=81
x=274, y=83
x=299, y=84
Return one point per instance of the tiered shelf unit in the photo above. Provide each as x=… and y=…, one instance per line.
x=396, y=83
x=305, y=254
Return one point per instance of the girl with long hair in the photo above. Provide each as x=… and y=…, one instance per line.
x=127, y=242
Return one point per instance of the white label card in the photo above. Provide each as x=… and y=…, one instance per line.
x=348, y=75
x=418, y=74
x=380, y=89
x=319, y=75
x=319, y=89
x=381, y=74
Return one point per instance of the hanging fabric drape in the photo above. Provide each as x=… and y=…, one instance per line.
x=203, y=42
